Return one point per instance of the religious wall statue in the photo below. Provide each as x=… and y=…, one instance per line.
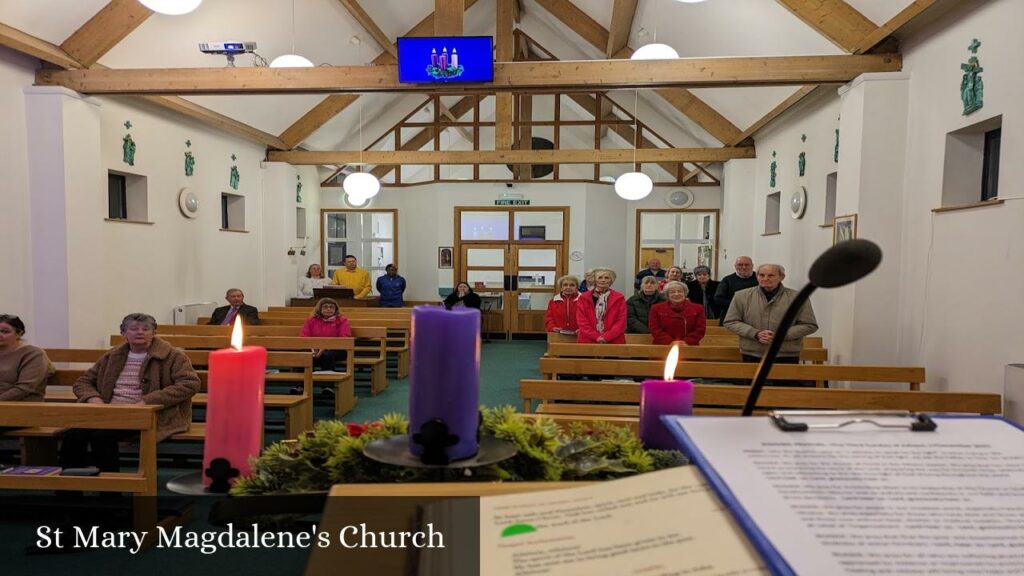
x=972, y=87
x=772, y=168
x=128, y=150
x=298, y=189
x=233, y=181
x=835, y=154
x=190, y=163
x=802, y=162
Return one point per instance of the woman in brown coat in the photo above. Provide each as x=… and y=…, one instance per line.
x=143, y=370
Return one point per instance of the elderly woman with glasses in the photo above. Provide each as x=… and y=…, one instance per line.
x=677, y=319
x=561, y=313
x=326, y=322
x=601, y=312
x=143, y=370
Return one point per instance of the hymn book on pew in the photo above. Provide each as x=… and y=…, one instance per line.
x=867, y=500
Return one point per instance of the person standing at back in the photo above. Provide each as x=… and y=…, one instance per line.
x=391, y=287
x=653, y=269
x=756, y=313
x=742, y=279
x=702, y=291
x=353, y=277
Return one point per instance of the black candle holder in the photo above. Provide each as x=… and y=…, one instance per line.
x=395, y=450
x=220, y=473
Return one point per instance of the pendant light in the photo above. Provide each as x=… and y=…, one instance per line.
x=634, y=185
x=655, y=50
x=361, y=186
x=171, y=7
x=292, y=60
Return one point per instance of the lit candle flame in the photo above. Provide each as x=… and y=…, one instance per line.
x=236, y=334
x=671, y=361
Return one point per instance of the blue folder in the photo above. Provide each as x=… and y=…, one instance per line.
x=772, y=558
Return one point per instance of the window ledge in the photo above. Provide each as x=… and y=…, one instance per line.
x=825, y=225
x=772, y=233
x=233, y=230
x=126, y=221
x=958, y=207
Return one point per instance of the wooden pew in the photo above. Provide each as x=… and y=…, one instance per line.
x=729, y=400
x=342, y=382
x=142, y=483
x=552, y=367
x=660, y=352
x=729, y=339
x=298, y=409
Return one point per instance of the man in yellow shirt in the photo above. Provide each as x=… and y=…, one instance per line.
x=351, y=276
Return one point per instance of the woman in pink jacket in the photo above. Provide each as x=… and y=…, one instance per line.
x=601, y=312
x=326, y=322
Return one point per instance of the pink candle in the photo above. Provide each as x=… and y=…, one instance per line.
x=234, y=409
x=663, y=397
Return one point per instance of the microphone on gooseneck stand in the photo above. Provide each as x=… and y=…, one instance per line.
x=842, y=264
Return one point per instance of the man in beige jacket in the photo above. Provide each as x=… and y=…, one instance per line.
x=755, y=314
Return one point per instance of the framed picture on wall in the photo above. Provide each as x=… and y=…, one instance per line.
x=444, y=257
x=844, y=228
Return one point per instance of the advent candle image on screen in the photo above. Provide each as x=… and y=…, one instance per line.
x=445, y=59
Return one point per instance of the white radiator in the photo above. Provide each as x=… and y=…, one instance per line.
x=189, y=313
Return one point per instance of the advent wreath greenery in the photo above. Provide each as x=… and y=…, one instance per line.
x=333, y=454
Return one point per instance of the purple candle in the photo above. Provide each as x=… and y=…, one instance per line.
x=663, y=397
x=433, y=56
x=445, y=375
x=444, y=58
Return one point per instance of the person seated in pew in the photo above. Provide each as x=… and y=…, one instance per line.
x=462, y=297
x=674, y=274
x=601, y=312
x=677, y=318
x=638, y=307
x=391, y=287
x=561, y=313
x=225, y=315
x=702, y=291
x=24, y=368
x=314, y=278
x=353, y=277
x=755, y=314
x=326, y=322
x=143, y=370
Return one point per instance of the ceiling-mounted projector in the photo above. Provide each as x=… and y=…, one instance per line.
x=226, y=47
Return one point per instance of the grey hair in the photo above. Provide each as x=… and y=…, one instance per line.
x=649, y=280
x=589, y=272
x=675, y=283
x=230, y=290
x=139, y=317
x=570, y=277
x=598, y=270
x=778, y=268
x=702, y=270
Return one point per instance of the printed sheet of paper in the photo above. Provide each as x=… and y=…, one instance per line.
x=660, y=523
x=862, y=500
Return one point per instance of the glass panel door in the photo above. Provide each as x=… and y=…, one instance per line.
x=485, y=267
x=536, y=270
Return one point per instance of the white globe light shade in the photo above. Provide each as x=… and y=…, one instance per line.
x=655, y=52
x=361, y=185
x=355, y=200
x=171, y=7
x=633, y=186
x=291, y=61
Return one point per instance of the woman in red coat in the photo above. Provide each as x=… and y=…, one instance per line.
x=561, y=313
x=601, y=313
x=677, y=318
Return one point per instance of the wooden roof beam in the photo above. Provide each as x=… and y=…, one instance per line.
x=104, y=30
x=681, y=99
x=564, y=156
x=30, y=45
x=623, y=12
x=449, y=16
x=425, y=135
x=505, y=52
x=836, y=20
x=553, y=76
x=370, y=26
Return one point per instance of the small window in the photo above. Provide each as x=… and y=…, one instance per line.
x=117, y=197
x=971, y=169
x=300, y=223
x=831, y=182
x=232, y=212
x=990, y=171
x=772, y=208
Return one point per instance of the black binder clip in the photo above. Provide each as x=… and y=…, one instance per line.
x=919, y=423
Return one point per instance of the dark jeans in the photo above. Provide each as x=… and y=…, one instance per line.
x=783, y=360
x=328, y=359
x=74, y=449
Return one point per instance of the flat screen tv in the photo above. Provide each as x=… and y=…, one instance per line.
x=446, y=59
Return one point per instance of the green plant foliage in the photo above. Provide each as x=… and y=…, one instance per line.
x=331, y=454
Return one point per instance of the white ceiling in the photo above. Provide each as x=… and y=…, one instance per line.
x=324, y=32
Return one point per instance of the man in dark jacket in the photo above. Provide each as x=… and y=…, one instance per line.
x=391, y=286
x=702, y=291
x=653, y=269
x=225, y=315
x=742, y=279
